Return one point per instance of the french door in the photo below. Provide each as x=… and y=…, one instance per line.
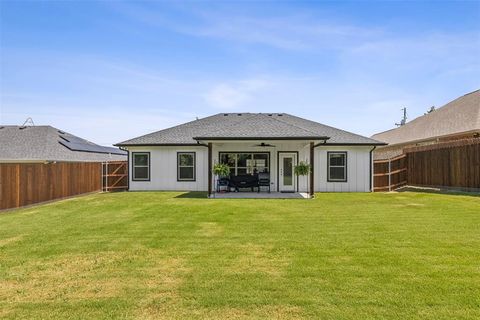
x=286, y=177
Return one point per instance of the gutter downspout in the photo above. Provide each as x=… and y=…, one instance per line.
x=312, y=170
x=321, y=143
x=371, y=168
x=128, y=170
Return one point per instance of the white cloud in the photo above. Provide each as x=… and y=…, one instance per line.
x=297, y=32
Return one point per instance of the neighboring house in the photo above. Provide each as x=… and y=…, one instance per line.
x=181, y=157
x=457, y=120
x=42, y=163
x=19, y=144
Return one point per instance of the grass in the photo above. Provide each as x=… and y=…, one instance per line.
x=171, y=255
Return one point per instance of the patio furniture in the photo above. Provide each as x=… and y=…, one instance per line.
x=223, y=184
x=264, y=180
x=244, y=181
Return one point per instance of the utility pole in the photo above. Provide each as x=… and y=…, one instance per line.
x=404, y=119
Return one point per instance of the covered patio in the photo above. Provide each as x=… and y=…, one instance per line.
x=267, y=163
x=260, y=195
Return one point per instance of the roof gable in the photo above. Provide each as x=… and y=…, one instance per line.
x=248, y=126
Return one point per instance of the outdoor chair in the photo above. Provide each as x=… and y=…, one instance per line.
x=264, y=180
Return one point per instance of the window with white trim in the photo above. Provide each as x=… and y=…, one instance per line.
x=186, y=166
x=337, y=166
x=140, y=166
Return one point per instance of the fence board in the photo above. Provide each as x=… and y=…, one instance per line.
x=115, y=176
x=389, y=174
x=454, y=164
x=24, y=184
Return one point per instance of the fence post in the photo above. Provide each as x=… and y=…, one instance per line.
x=106, y=177
x=389, y=175
x=17, y=178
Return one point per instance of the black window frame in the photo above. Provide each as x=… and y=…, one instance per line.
x=345, y=153
x=235, y=169
x=194, y=166
x=148, y=166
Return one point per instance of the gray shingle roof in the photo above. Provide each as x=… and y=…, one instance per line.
x=46, y=143
x=248, y=126
x=458, y=116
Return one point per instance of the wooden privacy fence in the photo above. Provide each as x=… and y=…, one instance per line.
x=453, y=164
x=115, y=176
x=24, y=184
x=390, y=174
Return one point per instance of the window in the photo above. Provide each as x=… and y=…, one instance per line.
x=186, y=166
x=246, y=162
x=337, y=166
x=141, y=166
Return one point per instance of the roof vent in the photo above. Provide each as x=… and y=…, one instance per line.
x=29, y=121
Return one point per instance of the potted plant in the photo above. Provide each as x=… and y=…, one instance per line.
x=302, y=169
x=220, y=170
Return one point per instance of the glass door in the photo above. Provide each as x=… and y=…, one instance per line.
x=287, y=180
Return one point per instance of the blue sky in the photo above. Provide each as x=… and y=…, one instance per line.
x=111, y=70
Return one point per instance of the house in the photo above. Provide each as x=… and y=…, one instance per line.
x=457, y=120
x=182, y=157
x=29, y=144
x=42, y=163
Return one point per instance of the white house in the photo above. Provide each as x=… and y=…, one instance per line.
x=182, y=157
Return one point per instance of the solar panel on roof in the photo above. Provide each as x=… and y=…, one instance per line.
x=77, y=144
x=86, y=147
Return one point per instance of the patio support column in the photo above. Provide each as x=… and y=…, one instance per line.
x=312, y=159
x=209, y=169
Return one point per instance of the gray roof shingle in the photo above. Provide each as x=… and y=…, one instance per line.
x=46, y=143
x=275, y=126
x=458, y=116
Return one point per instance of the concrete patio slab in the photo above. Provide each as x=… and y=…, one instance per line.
x=260, y=195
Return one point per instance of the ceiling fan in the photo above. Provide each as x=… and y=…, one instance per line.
x=265, y=145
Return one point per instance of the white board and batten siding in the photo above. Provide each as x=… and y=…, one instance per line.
x=163, y=169
x=358, y=169
x=163, y=166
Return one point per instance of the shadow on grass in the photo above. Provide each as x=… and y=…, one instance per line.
x=192, y=195
x=450, y=191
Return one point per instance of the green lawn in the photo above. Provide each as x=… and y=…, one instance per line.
x=172, y=255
